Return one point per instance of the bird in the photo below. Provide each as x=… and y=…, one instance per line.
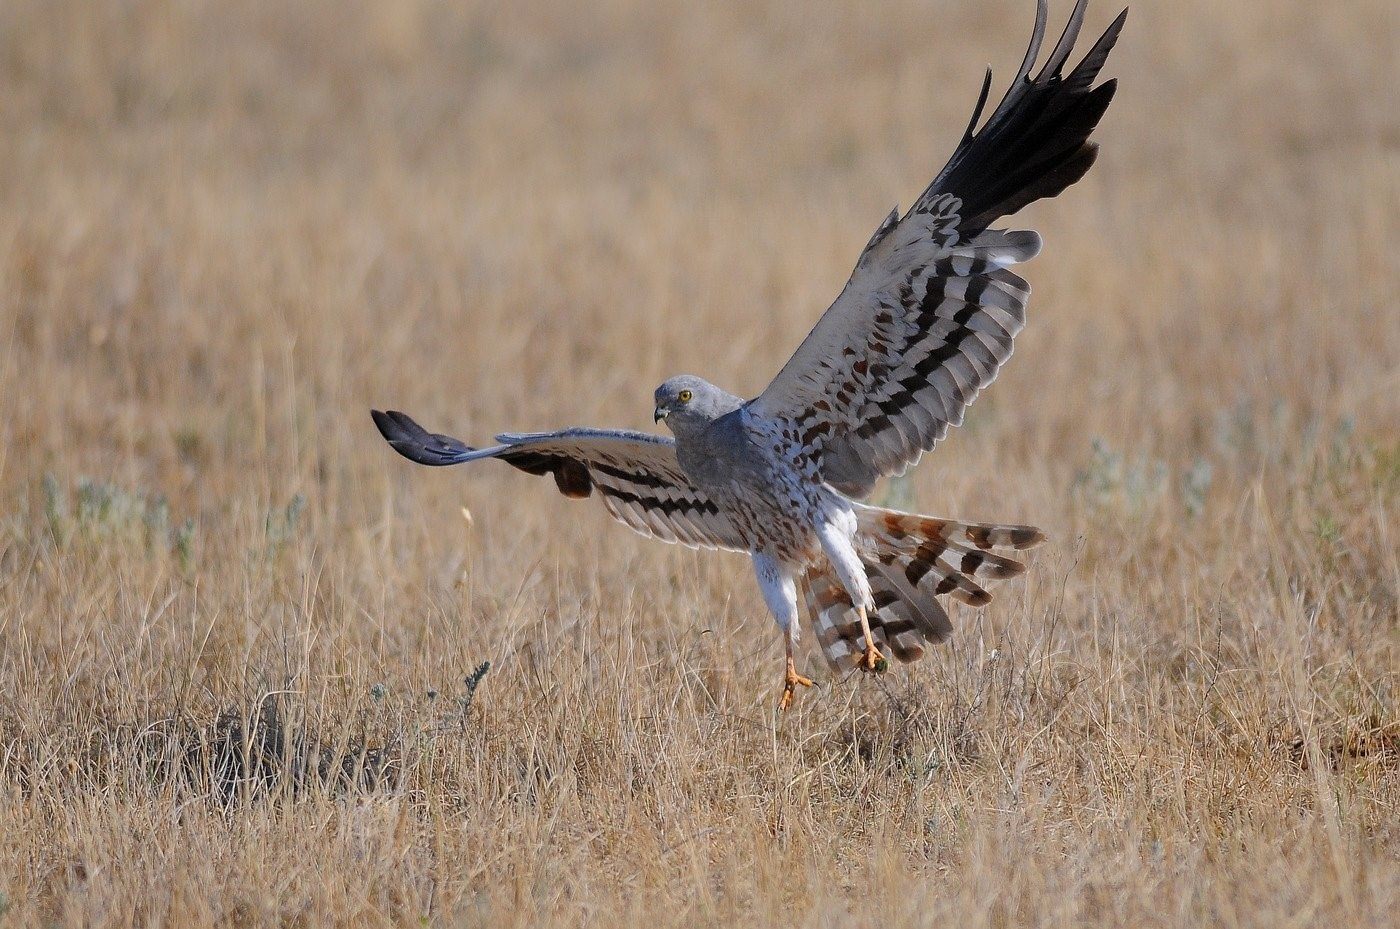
x=925, y=321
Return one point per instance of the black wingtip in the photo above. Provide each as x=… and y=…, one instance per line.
x=1042, y=14
x=382, y=422
x=1036, y=141
x=416, y=443
x=977, y=110
x=1056, y=61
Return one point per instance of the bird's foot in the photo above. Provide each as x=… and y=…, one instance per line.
x=873, y=660
x=791, y=681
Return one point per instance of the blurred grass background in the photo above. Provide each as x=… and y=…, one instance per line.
x=236, y=632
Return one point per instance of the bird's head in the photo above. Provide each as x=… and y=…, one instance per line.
x=688, y=402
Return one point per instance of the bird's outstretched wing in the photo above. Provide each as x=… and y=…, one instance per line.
x=930, y=311
x=636, y=474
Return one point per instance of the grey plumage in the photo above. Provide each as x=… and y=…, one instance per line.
x=927, y=318
x=636, y=474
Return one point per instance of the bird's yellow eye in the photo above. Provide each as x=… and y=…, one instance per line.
x=684, y=396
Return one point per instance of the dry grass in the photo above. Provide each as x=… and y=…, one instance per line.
x=226, y=230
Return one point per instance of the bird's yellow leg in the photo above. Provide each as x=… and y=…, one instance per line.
x=872, y=660
x=791, y=679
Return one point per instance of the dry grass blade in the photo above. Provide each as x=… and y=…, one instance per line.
x=242, y=642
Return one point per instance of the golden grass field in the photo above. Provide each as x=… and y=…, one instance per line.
x=236, y=629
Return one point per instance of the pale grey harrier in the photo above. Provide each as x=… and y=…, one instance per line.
x=923, y=324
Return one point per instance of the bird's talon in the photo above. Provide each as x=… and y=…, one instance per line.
x=874, y=661
x=791, y=681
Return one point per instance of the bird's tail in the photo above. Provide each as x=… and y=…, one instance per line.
x=910, y=560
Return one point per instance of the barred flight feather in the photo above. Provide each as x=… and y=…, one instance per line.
x=636, y=475
x=931, y=311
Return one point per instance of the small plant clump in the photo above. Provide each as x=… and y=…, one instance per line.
x=103, y=512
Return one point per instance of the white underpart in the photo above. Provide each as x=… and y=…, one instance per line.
x=837, y=533
x=779, y=592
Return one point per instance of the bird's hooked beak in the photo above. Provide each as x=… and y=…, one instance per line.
x=660, y=413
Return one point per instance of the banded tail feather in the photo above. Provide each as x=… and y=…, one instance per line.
x=910, y=561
